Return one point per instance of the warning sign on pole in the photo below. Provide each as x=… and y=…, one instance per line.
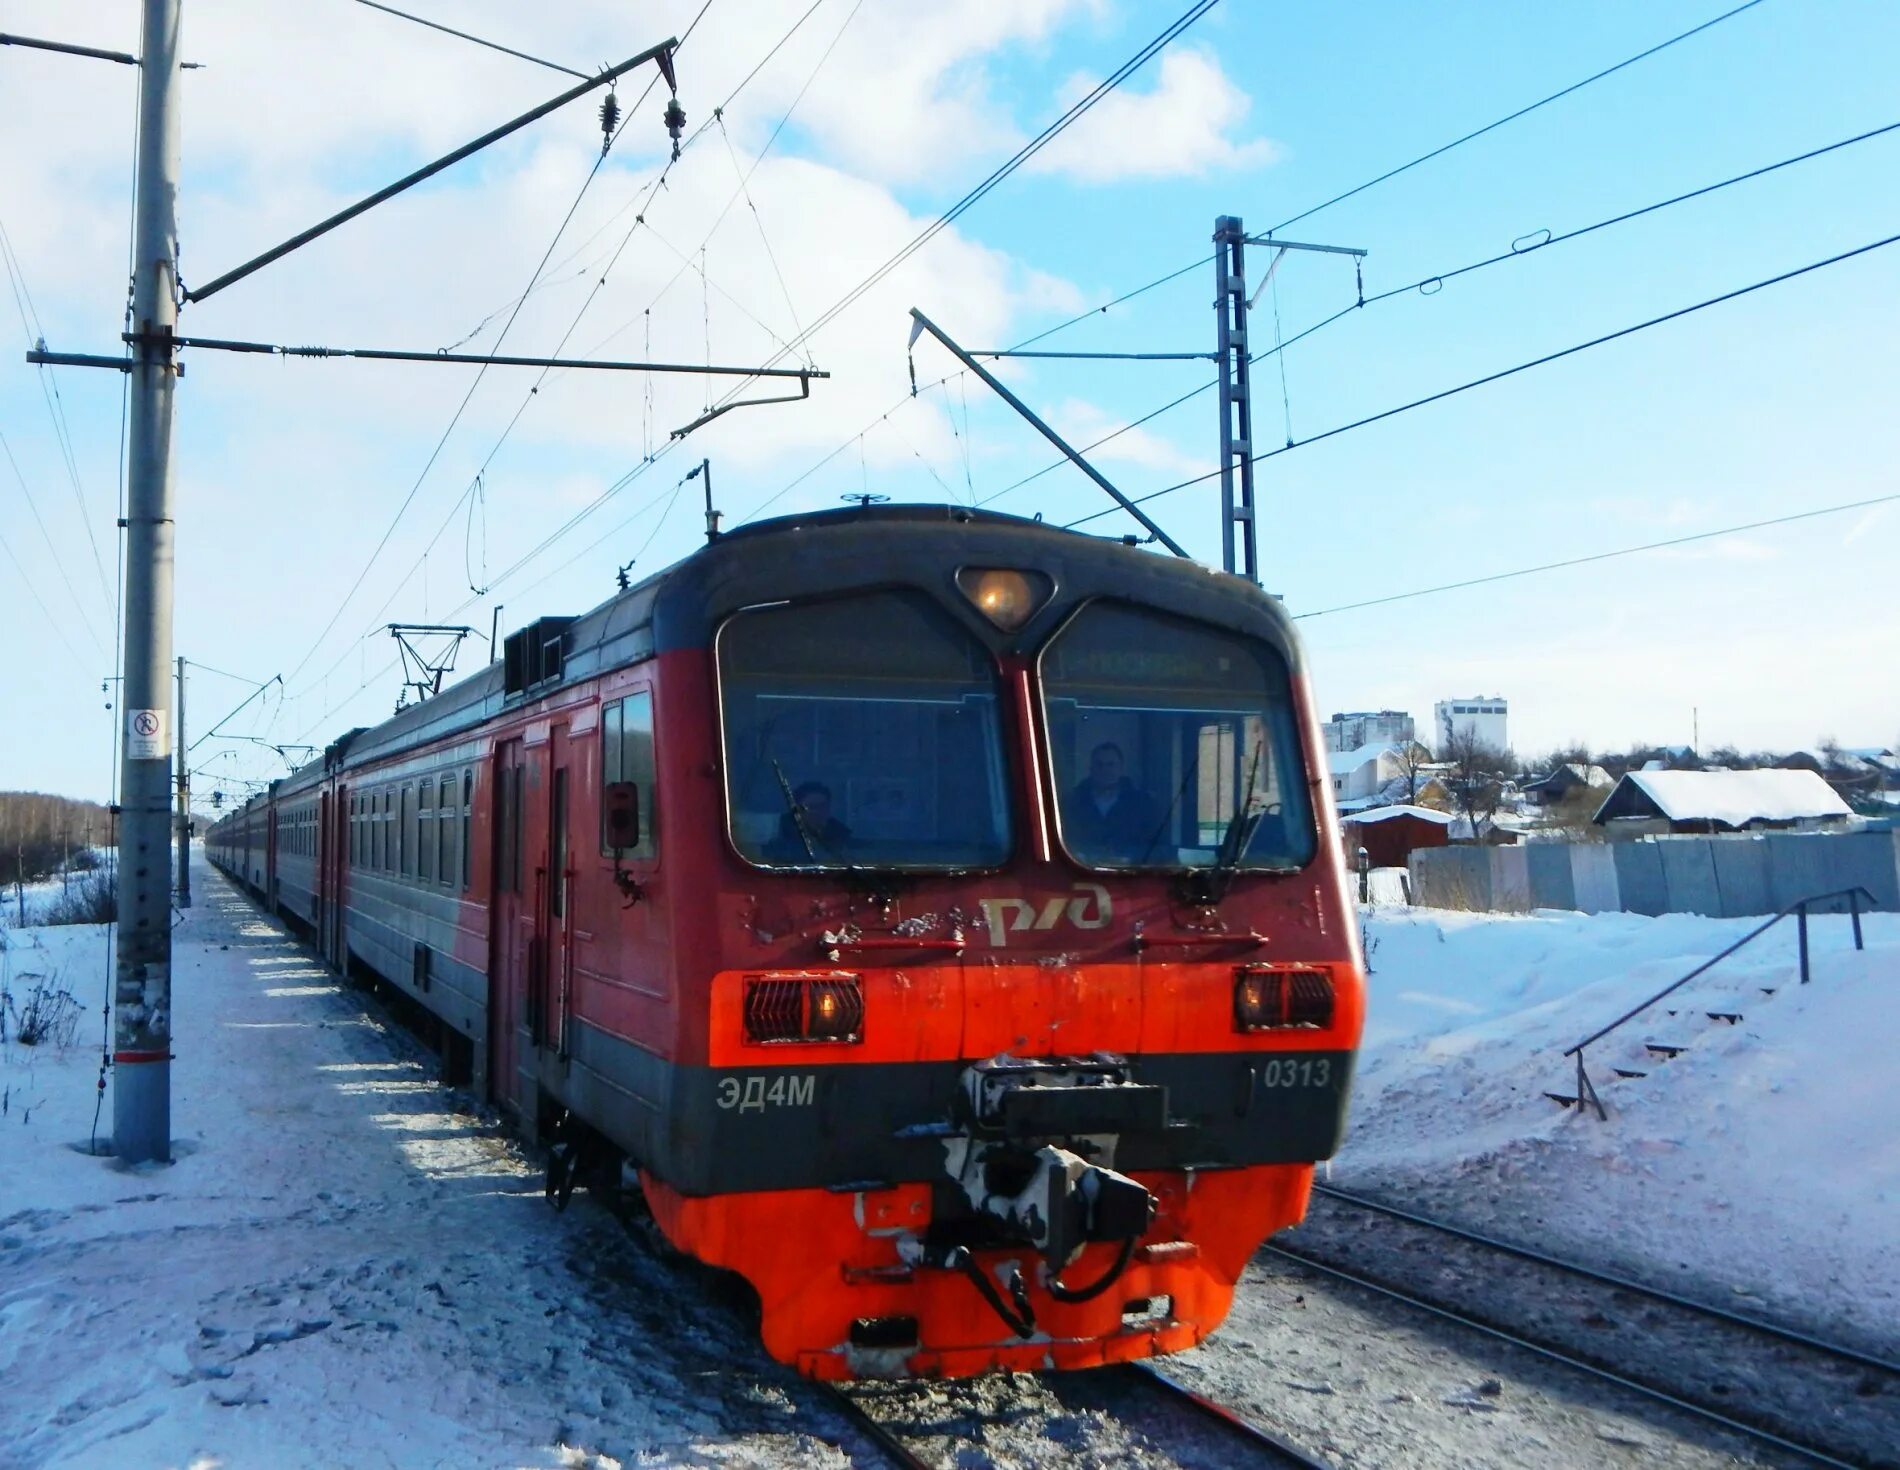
x=148, y=735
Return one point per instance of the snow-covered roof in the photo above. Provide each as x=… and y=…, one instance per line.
x=1736, y=798
x=1345, y=762
x=1386, y=813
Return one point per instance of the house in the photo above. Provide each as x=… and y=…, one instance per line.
x=1390, y=834
x=1647, y=802
x=1364, y=772
x=1566, y=779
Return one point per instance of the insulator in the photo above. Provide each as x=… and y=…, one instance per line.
x=675, y=124
x=609, y=119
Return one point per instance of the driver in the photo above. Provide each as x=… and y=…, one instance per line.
x=827, y=834
x=1108, y=816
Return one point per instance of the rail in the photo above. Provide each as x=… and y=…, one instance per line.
x=1586, y=1090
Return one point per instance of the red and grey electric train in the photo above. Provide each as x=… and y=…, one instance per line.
x=943, y=912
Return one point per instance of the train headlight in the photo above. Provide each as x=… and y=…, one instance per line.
x=1006, y=597
x=1280, y=1000
x=793, y=1008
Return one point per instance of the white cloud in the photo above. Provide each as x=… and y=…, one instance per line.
x=1082, y=423
x=1181, y=126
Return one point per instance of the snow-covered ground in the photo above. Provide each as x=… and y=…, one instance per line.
x=1760, y=1167
x=342, y=1267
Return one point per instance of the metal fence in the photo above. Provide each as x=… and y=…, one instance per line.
x=1721, y=877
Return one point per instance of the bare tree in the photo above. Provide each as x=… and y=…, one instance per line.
x=1478, y=771
x=1413, y=759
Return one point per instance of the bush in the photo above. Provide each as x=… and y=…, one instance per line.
x=49, y=1013
x=91, y=899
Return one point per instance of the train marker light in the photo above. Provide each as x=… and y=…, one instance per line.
x=794, y=1008
x=1279, y=1000
x=1007, y=598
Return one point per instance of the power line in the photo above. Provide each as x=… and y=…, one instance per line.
x=464, y=35
x=1521, y=367
x=1603, y=224
x=52, y=622
x=49, y=390
x=587, y=510
x=481, y=373
x=1442, y=276
x=640, y=220
x=59, y=566
x=1443, y=148
x=1094, y=311
x=1009, y=166
x=1389, y=174
x=1578, y=561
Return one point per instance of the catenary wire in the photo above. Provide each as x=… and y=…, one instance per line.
x=1174, y=275
x=1578, y=561
x=1549, y=357
x=49, y=390
x=1491, y=127
x=1442, y=276
x=1009, y=166
x=59, y=566
x=409, y=499
x=640, y=220
x=479, y=41
x=650, y=455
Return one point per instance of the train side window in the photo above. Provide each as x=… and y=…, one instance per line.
x=626, y=754
x=445, y=830
x=406, y=831
x=468, y=805
x=376, y=831
x=425, y=832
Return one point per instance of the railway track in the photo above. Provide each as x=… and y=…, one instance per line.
x=1796, y=1394
x=1168, y=1420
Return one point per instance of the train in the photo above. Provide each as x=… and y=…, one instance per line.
x=941, y=914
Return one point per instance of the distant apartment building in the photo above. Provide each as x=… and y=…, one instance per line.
x=1368, y=727
x=1482, y=715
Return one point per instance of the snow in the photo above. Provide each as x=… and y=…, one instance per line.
x=1760, y=1165
x=346, y=1264
x=1345, y=762
x=1386, y=813
x=1736, y=798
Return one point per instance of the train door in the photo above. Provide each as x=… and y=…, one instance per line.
x=270, y=859
x=321, y=894
x=336, y=872
x=512, y=948
x=557, y=892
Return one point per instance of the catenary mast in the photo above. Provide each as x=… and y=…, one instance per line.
x=142, y=998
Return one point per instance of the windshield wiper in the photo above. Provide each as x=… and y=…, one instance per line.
x=797, y=811
x=1210, y=884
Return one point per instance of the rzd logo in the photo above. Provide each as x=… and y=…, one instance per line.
x=1013, y=915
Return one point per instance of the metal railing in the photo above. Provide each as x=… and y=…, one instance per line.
x=1586, y=1090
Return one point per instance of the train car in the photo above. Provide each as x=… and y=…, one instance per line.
x=942, y=912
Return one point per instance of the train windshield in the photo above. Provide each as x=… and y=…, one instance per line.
x=862, y=732
x=1174, y=745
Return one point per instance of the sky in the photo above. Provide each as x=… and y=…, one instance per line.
x=866, y=123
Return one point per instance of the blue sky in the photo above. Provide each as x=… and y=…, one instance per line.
x=289, y=472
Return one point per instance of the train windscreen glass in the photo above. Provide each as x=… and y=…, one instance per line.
x=1174, y=745
x=862, y=732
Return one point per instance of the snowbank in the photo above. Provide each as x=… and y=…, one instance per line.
x=1760, y=1162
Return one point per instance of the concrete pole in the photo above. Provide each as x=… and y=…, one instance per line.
x=184, y=800
x=142, y=1010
